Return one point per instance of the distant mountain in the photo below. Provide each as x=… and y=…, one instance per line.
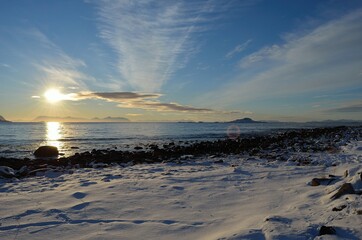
x=58, y=119
x=73, y=119
x=245, y=120
x=2, y=119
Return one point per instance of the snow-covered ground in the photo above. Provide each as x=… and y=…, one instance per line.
x=239, y=198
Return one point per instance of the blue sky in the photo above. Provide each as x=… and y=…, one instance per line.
x=181, y=60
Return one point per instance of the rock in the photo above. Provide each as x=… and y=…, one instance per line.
x=74, y=147
x=154, y=147
x=23, y=171
x=315, y=182
x=346, y=188
x=46, y=151
x=6, y=172
x=219, y=161
x=345, y=173
x=138, y=148
x=324, y=181
x=339, y=208
x=325, y=230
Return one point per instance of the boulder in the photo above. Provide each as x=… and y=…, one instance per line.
x=6, y=172
x=322, y=181
x=46, y=151
x=346, y=188
x=326, y=230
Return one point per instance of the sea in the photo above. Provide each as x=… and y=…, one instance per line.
x=20, y=140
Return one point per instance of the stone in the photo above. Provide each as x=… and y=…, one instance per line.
x=23, y=171
x=345, y=173
x=138, y=148
x=346, y=188
x=339, y=208
x=326, y=230
x=219, y=161
x=315, y=182
x=6, y=172
x=324, y=181
x=46, y=151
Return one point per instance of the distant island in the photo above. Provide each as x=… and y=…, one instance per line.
x=245, y=120
x=73, y=119
x=2, y=119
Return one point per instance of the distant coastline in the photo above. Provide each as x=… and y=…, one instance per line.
x=109, y=119
x=245, y=120
x=2, y=119
x=74, y=119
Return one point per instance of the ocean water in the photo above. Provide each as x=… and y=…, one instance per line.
x=22, y=139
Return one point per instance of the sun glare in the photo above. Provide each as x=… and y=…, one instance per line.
x=53, y=95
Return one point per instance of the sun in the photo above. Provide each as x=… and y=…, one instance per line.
x=53, y=95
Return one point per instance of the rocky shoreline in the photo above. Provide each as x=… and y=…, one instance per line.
x=288, y=145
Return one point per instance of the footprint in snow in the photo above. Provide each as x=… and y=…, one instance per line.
x=79, y=195
x=86, y=184
x=80, y=206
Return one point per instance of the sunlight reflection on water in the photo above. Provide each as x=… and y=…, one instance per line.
x=53, y=134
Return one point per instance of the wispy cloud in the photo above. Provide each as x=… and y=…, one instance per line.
x=325, y=59
x=134, y=114
x=238, y=49
x=163, y=107
x=116, y=96
x=352, y=108
x=153, y=39
x=135, y=100
x=55, y=67
x=5, y=65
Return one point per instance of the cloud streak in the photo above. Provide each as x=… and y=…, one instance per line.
x=354, y=108
x=238, y=49
x=325, y=59
x=116, y=96
x=153, y=39
x=137, y=100
x=56, y=67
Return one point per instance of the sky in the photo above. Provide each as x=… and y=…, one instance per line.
x=200, y=60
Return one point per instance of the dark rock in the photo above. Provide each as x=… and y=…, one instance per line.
x=6, y=172
x=23, y=171
x=46, y=151
x=326, y=230
x=138, y=148
x=74, y=147
x=345, y=173
x=315, y=182
x=153, y=147
x=339, y=208
x=346, y=188
x=219, y=161
x=324, y=181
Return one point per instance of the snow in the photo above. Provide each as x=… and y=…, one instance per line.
x=238, y=198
